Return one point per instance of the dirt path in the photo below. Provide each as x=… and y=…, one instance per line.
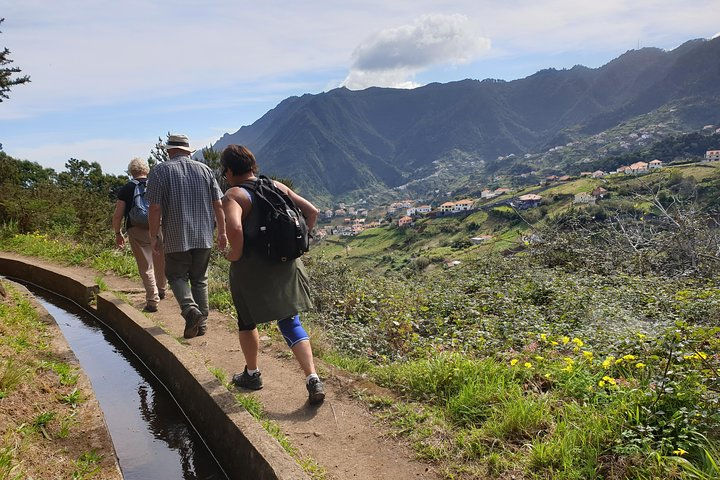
x=340, y=435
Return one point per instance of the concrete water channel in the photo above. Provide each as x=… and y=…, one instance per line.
x=196, y=428
x=151, y=435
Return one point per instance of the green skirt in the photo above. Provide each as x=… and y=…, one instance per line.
x=264, y=290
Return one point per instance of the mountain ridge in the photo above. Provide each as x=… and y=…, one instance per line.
x=341, y=142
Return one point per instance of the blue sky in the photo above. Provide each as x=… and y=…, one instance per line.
x=109, y=77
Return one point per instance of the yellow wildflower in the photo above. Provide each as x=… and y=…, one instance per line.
x=527, y=365
x=554, y=343
x=514, y=362
x=587, y=354
x=639, y=365
x=543, y=337
x=680, y=452
x=565, y=340
x=539, y=358
x=569, y=360
x=629, y=358
x=609, y=380
x=568, y=369
x=578, y=342
x=601, y=383
x=607, y=363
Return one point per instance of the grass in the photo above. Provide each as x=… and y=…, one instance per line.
x=40, y=400
x=492, y=377
x=255, y=408
x=459, y=410
x=67, y=374
x=74, y=398
x=87, y=465
x=9, y=465
x=12, y=375
x=120, y=262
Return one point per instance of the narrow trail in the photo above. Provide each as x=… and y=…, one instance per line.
x=341, y=435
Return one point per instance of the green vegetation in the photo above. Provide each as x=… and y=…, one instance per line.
x=580, y=342
x=253, y=406
x=40, y=400
x=87, y=465
x=6, y=73
x=590, y=353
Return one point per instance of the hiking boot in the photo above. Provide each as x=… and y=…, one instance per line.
x=202, y=329
x=150, y=308
x=245, y=380
x=193, y=319
x=316, y=391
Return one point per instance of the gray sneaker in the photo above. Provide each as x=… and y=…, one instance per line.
x=193, y=319
x=316, y=391
x=245, y=380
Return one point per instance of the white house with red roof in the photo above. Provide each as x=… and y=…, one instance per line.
x=712, y=156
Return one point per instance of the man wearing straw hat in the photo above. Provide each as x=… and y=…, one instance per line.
x=185, y=198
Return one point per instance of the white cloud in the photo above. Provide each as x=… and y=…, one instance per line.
x=139, y=68
x=392, y=57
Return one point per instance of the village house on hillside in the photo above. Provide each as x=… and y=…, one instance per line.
x=421, y=210
x=712, y=156
x=637, y=168
x=404, y=221
x=529, y=200
x=487, y=193
x=463, y=205
x=456, y=207
x=447, y=207
x=599, y=192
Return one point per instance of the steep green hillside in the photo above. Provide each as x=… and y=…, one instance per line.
x=431, y=242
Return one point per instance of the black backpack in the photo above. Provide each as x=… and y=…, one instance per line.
x=283, y=232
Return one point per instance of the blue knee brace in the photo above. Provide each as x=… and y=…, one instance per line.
x=292, y=331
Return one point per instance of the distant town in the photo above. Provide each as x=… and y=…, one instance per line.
x=347, y=220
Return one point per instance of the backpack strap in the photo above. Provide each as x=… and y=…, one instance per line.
x=247, y=189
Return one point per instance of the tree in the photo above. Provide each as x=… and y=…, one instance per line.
x=158, y=154
x=6, y=80
x=211, y=158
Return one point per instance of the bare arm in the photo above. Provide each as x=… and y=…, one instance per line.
x=117, y=223
x=154, y=217
x=233, y=212
x=220, y=222
x=309, y=211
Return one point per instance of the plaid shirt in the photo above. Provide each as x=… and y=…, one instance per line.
x=185, y=190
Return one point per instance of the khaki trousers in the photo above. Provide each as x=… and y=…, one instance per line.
x=150, y=266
